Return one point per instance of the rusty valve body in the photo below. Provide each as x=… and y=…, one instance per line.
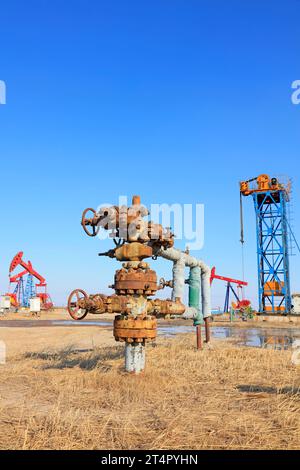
x=128, y=305
x=135, y=322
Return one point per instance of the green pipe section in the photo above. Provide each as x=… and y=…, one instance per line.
x=194, y=293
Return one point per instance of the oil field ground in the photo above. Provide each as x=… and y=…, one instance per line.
x=63, y=390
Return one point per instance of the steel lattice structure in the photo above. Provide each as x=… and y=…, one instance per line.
x=272, y=251
x=30, y=291
x=271, y=198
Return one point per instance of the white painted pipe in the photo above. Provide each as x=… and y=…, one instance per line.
x=178, y=279
x=206, y=294
x=134, y=357
x=180, y=260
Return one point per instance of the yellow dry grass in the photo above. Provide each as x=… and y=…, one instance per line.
x=223, y=397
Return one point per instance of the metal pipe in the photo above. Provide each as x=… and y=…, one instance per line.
x=134, y=357
x=205, y=294
x=194, y=288
x=175, y=255
x=178, y=280
x=207, y=329
x=198, y=336
x=194, y=301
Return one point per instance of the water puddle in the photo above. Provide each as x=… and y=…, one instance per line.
x=269, y=338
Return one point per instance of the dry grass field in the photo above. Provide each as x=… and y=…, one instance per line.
x=224, y=397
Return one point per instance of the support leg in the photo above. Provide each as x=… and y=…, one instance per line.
x=207, y=329
x=199, y=338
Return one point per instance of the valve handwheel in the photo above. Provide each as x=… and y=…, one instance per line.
x=76, y=312
x=85, y=222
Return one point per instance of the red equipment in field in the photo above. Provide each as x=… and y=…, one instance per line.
x=241, y=304
x=46, y=302
x=16, y=296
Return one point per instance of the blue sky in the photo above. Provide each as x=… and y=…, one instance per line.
x=175, y=100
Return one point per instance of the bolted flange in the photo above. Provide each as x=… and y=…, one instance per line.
x=135, y=277
x=135, y=330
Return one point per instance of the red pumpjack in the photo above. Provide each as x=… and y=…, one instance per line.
x=46, y=302
x=241, y=304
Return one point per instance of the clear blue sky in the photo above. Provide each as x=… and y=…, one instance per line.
x=174, y=99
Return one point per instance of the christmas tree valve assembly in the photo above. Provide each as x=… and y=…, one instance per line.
x=135, y=284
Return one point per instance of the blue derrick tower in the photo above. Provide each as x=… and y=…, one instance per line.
x=29, y=291
x=272, y=233
x=19, y=291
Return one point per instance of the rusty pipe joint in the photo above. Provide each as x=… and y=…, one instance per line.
x=166, y=307
x=163, y=283
x=99, y=303
x=131, y=305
